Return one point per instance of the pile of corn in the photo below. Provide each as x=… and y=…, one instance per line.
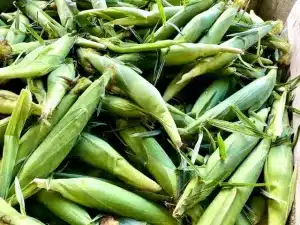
x=131, y=112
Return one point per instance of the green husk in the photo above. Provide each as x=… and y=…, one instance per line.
x=100, y=154
x=220, y=27
x=3, y=32
x=31, y=9
x=57, y=85
x=217, y=170
x=188, y=52
x=149, y=19
x=38, y=131
x=68, y=211
x=278, y=172
x=94, y=193
x=27, y=47
x=54, y=149
x=17, y=32
x=138, y=89
x=99, y=4
x=36, y=87
x=8, y=102
x=65, y=15
x=152, y=155
x=181, y=18
x=181, y=119
x=213, y=95
x=195, y=28
x=221, y=60
x=251, y=58
x=41, y=60
x=123, y=47
x=122, y=107
x=11, y=140
x=255, y=209
x=8, y=215
x=3, y=126
x=227, y=205
x=251, y=73
x=251, y=97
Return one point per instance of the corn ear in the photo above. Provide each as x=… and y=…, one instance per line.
x=8, y=215
x=65, y=15
x=41, y=60
x=100, y=154
x=221, y=60
x=11, y=140
x=214, y=94
x=32, y=10
x=101, y=195
x=3, y=126
x=189, y=52
x=38, y=132
x=220, y=27
x=8, y=102
x=278, y=172
x=68, y=211
x=181, y=18
x=217, y=170
x=227, y=205
x=252, y=97
x=122, y=107
x=194, y=29
x=146, y=95
x=17, y=32
x=152, y=155
x=71, y=125
x=57, y=86
x=181, y=119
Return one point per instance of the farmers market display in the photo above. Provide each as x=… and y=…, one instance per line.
x=135, y=112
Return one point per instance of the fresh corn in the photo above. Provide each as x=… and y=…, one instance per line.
x=152, y=155
x=68, y=211
x=252, y=96
x=11, y=140
x=94, y=193
x=8, y=215
x=54, y=149
x=217, y=170
x=100, y=154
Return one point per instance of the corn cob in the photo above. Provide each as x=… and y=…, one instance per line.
x=70, y=126
x=193, y=8
x=11, y=140
x=217, y=170
x=40, y=130
x=227, y=205
x=41, y=60
x=194, y=29
x=8, y=215
x=214, y=94
x=63, y=208
x=101, y=195
x=146, y=95
x=252, y=97
x=152, y=155
x=100, y=154
x=57, y=85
